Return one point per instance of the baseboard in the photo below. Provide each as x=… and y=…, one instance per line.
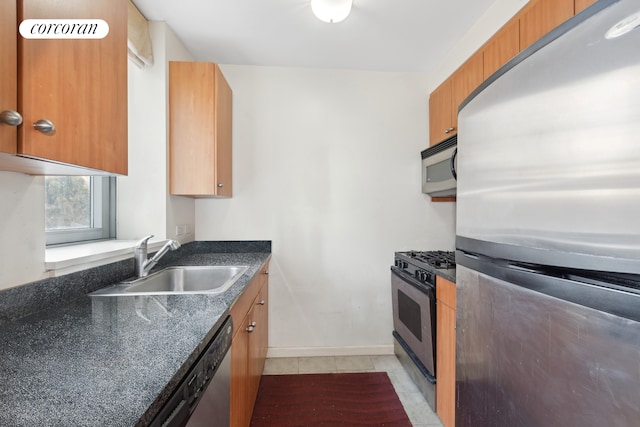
x=377, y=350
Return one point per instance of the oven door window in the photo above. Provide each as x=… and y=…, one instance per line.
x=409, y=314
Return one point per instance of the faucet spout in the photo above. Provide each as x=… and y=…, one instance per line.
x=144, y=265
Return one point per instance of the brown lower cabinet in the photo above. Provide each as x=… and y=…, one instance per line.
x=249, y=346
x=446, y=354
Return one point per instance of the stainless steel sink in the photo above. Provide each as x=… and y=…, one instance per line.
x=179, y=280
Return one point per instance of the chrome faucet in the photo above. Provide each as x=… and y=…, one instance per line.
x=144, y=265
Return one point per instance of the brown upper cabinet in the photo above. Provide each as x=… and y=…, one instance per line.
x=539, y=17
x=200, y=103
x=444, y=101
x=464, y=81
x=9, y=73
x=440, y=113
x=78, y=86
x=533, y=21
x=503, y=46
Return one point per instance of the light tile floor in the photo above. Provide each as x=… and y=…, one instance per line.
x=414, y=404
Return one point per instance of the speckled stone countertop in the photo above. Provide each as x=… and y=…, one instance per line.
x=110, y=361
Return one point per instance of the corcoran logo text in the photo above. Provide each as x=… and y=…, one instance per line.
x=64, y=29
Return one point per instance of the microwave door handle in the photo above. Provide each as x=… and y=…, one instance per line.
x=452, y=165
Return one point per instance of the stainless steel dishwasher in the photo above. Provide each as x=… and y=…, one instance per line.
x=202, y=397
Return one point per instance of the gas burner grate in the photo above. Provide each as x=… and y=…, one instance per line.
x=437, y=259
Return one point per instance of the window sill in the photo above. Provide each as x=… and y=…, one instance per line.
x=68, y=259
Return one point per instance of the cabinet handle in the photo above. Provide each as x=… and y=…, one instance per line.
x=261, y=302
x=45, y=126
x=11, y=118
x=449, y=130
x=220, y=185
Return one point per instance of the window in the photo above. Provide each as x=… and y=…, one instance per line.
x=79, y=208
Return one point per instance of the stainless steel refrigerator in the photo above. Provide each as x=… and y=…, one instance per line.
x=548, y=232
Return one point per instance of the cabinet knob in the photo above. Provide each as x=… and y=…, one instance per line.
x=220, y=185
x=250, y=329
x=11, y=118
x=253, y=324
x=261, y=302
x=266, y=272
x=45, y=126
x=449, y=130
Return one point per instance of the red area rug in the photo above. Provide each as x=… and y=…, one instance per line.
x=351, y=399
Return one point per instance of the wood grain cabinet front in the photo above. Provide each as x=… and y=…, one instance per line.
x=446, y=98
x=503, y=46
x=440, y=113
x=200, y=103
x=249, y=347
x=446, y=351
x=70, y=93
x=539, y=17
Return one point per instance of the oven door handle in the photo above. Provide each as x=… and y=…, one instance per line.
x=424, y=287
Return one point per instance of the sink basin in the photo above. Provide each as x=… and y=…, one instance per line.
x=179, y=280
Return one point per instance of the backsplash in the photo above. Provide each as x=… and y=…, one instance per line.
x=33, y=297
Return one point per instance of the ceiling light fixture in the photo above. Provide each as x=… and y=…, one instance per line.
x=331, y=11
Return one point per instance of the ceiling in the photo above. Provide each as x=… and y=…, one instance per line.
x=378, y=35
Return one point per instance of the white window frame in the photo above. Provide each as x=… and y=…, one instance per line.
x=103, y=216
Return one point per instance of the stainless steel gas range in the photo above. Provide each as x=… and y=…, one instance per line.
x=413, y=287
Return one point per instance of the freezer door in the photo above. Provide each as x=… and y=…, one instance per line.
x=528, y=359
x=549, y=154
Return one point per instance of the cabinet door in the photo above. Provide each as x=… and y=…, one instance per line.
x=541, y=16
x=581, y=5
x=223, y=118
x=79, y=85
x=9, y=72
x=503, y=46
x=446, y=354
x=440, y=113
x=200, y=103
x=464, y=81
x=260, y=338
x=240, y=408
x=446, y=365
x=256, y=361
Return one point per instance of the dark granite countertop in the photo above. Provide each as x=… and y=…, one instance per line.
x=109, y=361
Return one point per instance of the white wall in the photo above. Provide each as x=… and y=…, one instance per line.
x=144, y=204
x=327, y=166
x=22, y=229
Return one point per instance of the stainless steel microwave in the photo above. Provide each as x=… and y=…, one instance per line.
x=439, y=168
